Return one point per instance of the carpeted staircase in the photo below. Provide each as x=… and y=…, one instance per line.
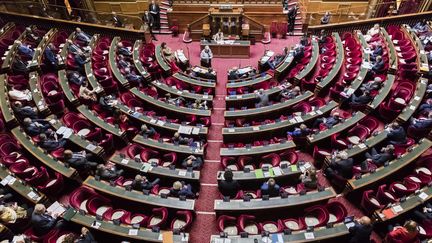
x=164, y=8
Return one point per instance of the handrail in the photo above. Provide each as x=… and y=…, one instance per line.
x=197, y=21
x=254, y=20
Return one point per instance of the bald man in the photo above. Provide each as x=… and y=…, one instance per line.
x=361, y=231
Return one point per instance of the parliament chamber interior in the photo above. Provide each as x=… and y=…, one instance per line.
x=222, y=121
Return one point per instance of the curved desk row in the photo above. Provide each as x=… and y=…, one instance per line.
x=312, y=62
x=392, y=51
x=160, y=59
x=5, y=105
x=415, y=101
x=395, y=165
x=275, y=172
x=67, y=90
x=113, y=63
x=314, y=138
x=170, y=147
x=194, y=81
x=382, y=93
x=93, y=82
x=37, y=95
x=182, y=93
x=133, y=164
x=283, y=67
x=422, y=59
x=40, y=49
x=254, y=81
x=64, y=50
x=123, y=231
x=262, y=111
x=136, y=59
x=241, y=99
x=275, y=202
x=9, y=55
x=254, y=150
x=278, y=125
x=138, y=196
x=337, y=66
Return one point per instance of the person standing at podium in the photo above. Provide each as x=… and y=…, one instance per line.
x=219, y=36
x=206, y=57
x=155, y=11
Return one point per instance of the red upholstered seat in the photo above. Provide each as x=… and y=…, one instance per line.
x=385, y=196
x=247, y=224
x=315, y=216
x=337, y=212
x=182, y=221
x=158, y=218
x=228, y=225
x=369, y=203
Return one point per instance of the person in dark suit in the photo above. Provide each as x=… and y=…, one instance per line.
x=50, y=58
x=73, y=48
x=155, y=12
x=362, y=99
x=76, y=78
x=147, y=131
x=378, y=51
x=142, y=183
x=122, y=62
x=340, y=165
x=396, y=134
x=233, y=74
x=263, y=98
x=35, y=127
x=79, y=160
x=116, y=20
x=82, y=36
x=42, y=222
x=181, y=189
x=329, y=122
x=292, y=14
x=123, y=50
x=108, y=174
x=386, y=154
x=132, y=77
x=106, y=102
x=177, y=139
x=425, y=107
x=298, y=53
x=270, y=188
x=301, y=131
x=25, y=49
x=148, y=19
x=228, y=186
x=24, y=111
x=192, y=162
x=326, y=18
x=372, y=85
x=361, y=231
x=32, y=36
x=80, y=59
x=19, y=66
x=378, y=66
x=85, y=237
x=420, y=123
x=50, y=144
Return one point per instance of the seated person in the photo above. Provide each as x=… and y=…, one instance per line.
x=192, y=162
x=309, y=179
x=371, y=32
x=340, y=165
x=423, y=122
x=425, y=107
x=377, y=67
x=35, y=127
x=24, y=111
x=377, y=51
x=408, y=233
x=270, y=188
x=25, y=49
x=396, y=134
x=209, y=74
x=301, y=131
x=107, y=102
x=219, y=36
x=86, y=236
x=329, y=122
x=76, y=78
x=79, y=160
x=421, y=26
x=82, y=36
x=147, y=131
x=121, y=50
x=80, y=59
x=263, y=98
x=181, y=189
x=50, y=58
x=50, y=144
x=43, y=222
x=362, y=99
x=166, y=51
x=177, y=101
x=290, y=93
x=233, y=74
x=12, y=213
x=22, y=95
x=142, y=183
x=132, y=77
x=228, y=186
x=108, y=174
x=177, y=139
x=322, y=37
x=361, y=231
x=73, y=48
x=85, y=93
x=32, y=35
x=374, y=85
x=122, y=63
x=298, y=53
x=19, y=66
x=200, y=104
x=386, y=154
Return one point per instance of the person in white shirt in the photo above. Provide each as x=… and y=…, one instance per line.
x=373, y=31
x=219, y=36
x=206, y=57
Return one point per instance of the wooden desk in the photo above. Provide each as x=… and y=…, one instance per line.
x=262, y=111
x=67, y=90
x=182, y=93
x=9, y=55
x=239, y=49
x=168, y=107
x=65, y=50
x=93, y=82
x=256, y=80
x=312, y=62
x=382, y=93
x=39, y=154
x=21, y=187
x=37, y=95
x=160, y=59
x=138, y=196
x=40, y=49
x=415, y=101
x=275, y=202
x=335, y=71
x=194, y=81
x=154, y=122
x=138, y=64
x=254, y=150
x=320, y=234
x=314, y=138
x=241, y=176
x=277, y=127
x=422, y=58
x=5, y=105
x=170, y=147
x=113, y=64
x=283, y=67
x=144, y=235
x=393, y=59
x=249, y=98
x=132, y=164
x=393, y=167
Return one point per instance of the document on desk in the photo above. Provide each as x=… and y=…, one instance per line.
x=56, y=208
